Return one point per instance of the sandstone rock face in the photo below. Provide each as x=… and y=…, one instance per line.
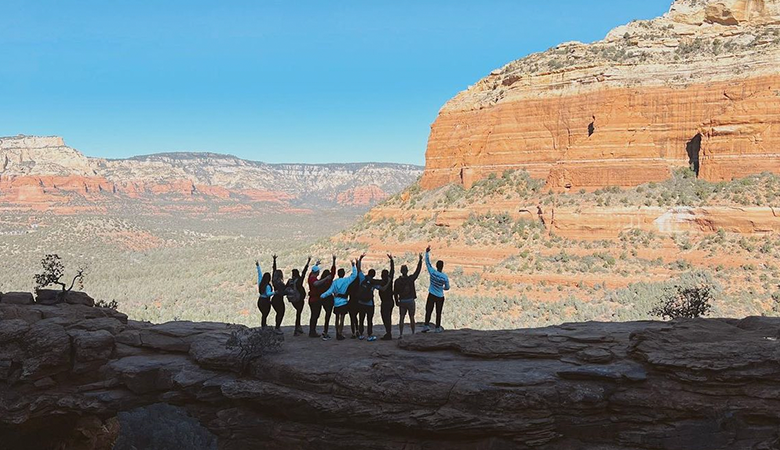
x=698, y=87
x=65, y=371
x=40, y=171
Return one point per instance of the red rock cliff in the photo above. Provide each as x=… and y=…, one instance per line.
x=698, y=87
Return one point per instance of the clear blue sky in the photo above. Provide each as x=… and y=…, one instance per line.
x=297, y=81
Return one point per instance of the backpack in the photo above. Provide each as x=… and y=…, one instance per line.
x=292, y=292
x=365, y=291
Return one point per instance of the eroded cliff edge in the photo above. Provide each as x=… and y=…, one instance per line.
x=66, y=370
x=699, y=87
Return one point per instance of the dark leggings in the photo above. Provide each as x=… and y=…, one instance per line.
x=433, y=301
x=327, y=305
x=277, y=301
x=353, y=316
x=366, y=312
x=264, y=305
x=315, y=307
x=298, y=310
x=387, y=316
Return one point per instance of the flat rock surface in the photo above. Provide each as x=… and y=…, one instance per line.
x=704, y=384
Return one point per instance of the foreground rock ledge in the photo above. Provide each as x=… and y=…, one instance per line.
x=66, y=370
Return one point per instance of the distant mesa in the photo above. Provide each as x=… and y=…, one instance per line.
x=41, y=172
x=698, y=87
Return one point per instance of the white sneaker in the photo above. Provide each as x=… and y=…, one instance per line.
x=425, y=329
x=438, y=330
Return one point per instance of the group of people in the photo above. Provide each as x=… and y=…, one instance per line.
x=342, y=295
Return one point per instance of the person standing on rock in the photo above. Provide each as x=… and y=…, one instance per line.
x=338, y=290
x=386, y=295
x=406, y=295
x=366, y=303
x=296, y=294
x=277, y=301
x=440, y=282
x=352, y=292
x=316, y=287
x=327, y=302
x=265, y=291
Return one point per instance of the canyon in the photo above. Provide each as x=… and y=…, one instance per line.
x=698, y=87
x=67, y=370
x=43, y=174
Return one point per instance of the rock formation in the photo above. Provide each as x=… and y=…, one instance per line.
x=41, y=171
x=698, y=87
x=709, y=384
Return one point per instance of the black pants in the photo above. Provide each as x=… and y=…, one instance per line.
x=327, y=305
x=298, y=311
x=353, y=315
x=387, y=316
x=433, y=301
x=366, y=312
x=264, y=305
x=277, y=301
x=315, y=307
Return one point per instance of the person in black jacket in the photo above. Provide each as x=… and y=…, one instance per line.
x=405, y=295
x=296, y=294
x=388, y=302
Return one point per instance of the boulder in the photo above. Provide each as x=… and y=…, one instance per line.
x=56, y=297
x=17, y=298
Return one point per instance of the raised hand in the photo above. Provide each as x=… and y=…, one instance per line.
x=428, y=249
x=420, y=255
x=389, y=256
x=257, y=263
x=334, y=260
x=274, y=256
x=308, y=260
x=362, y=256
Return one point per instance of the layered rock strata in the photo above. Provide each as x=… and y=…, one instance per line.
x=66, y=370
x=698, y=87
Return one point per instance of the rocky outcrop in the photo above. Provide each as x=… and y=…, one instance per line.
x=697, y=87
x=41, y=171
x=66, y=370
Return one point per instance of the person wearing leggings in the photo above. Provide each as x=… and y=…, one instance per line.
x=277, y=301
x=386, y=296
x=317, y=285
x=354, y=304
x=296, y=294
x=265, y=294
x=338, y=290
x=440, y=282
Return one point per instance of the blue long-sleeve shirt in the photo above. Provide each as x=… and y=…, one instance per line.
x=440, y=282
x=339, y=289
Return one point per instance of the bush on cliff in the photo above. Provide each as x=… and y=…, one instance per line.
x=254, y=343
x=685, y=302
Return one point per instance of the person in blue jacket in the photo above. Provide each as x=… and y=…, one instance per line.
x=340, y=301
x=265, y=291
x=440, y=282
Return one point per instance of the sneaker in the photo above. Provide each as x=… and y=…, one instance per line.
x=371, y=338
x=425, y=329
x=361, y=337
x=354, y=336
x=325, y=337
x=278, y=331
x=296, y=333
x=438, y=329
x=340, y=337
x=387, y=337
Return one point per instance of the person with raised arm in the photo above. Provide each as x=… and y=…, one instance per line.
x=277, y=300
x=386, y=295
x=406, y=295
x=352, y=292
x=316, y=304
x=440, y=282
x=338, y=290
x=265, y=291
x=296, y=294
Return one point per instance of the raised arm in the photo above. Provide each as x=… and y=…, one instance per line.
x=354, y=273
x=419, y=268
x=428, y=259
x=259, y=273
x=274, y=265
x=360, y=262
x=305, y=269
